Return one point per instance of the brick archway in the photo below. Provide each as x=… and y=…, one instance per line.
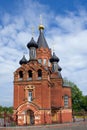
x=27, y=106
x=26, y=112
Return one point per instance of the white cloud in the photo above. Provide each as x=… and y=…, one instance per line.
x=71, y=47
x=69, y=37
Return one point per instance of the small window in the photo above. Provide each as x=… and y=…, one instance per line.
x=32, y=53
x=44, y=61
x=39, y=74
x=48, y=63
x=30, y=74
x=30, y=96
x=66, y=101
x=40, y=61
x=20, y=75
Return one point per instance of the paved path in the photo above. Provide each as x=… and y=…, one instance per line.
x=66, y=126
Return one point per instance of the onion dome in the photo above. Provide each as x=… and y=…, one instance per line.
x=59, y=68
x=23, y=60
x=54, y=58
x=32, y=43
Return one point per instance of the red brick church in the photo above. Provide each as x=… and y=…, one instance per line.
x=40, y=96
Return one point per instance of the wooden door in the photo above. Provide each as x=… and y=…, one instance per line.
x=54, y=116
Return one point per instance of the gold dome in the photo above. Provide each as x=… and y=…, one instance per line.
x=41, y=27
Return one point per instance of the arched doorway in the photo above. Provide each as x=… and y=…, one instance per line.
x=29, y=117
x=26, y=113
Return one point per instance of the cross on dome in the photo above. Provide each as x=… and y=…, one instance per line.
x=41, y=27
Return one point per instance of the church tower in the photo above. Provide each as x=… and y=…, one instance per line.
x=40, y=96
x=43, y=51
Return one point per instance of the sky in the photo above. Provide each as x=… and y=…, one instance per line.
x=65, y=24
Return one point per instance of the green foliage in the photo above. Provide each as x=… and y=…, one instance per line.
x=79, y=101
x=77, y=98
x=8, y=110
x=84, y=103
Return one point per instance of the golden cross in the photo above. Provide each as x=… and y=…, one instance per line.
x=32, y=31
x=40, y=19
x=53, y=48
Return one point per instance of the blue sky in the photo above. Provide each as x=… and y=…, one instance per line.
x=65, y=24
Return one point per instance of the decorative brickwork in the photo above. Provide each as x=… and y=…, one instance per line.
x=39, y=94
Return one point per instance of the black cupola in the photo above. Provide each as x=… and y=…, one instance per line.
x=23, y=60
x=59, y=68
x=54, y=58
x=32, y=43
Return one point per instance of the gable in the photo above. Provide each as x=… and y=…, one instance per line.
x=35, y=66
x=31, y=70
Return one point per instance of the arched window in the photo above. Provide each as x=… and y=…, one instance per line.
x=39, y=74
x=49, y=63
x=20, y=75
x=44, y=61
x=40, y=61
x=66, y=98
x=30, y=96
x=30, y=74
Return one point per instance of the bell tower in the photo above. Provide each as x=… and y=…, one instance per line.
x=43, y=51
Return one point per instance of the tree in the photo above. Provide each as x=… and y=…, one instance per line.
x=84, y=103
x=77, y=98
x=1, y=109
x=8, y=110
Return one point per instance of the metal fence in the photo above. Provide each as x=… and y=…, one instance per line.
x=8, y=120
x=79, y=116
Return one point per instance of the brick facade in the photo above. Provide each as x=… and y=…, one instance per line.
x=40, y=97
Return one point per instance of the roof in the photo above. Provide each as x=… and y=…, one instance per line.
x=32, y=43
x=23, y=60
x=54, y=58
x=41, y=40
